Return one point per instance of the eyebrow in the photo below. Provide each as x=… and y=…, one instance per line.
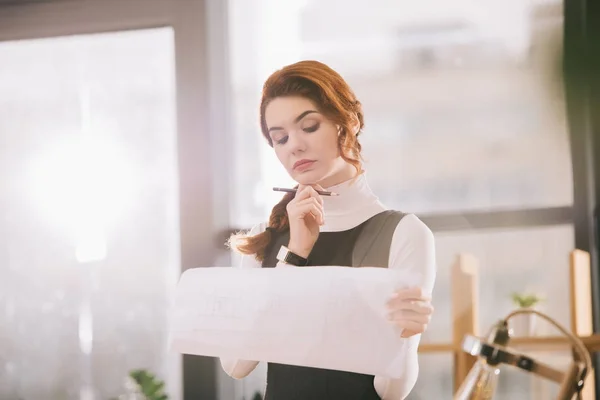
x=298, y=118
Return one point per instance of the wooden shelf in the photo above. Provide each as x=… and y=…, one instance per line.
x=534, y=343
x=437, y=348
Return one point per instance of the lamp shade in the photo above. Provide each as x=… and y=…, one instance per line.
x=480, y=383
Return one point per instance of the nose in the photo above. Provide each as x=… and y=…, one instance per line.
x=296, y=142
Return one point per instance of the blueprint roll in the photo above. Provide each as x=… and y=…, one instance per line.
x=323, y=317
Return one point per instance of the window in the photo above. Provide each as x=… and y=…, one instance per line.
x=77, y=110
x=461, y=114
x=524, y=259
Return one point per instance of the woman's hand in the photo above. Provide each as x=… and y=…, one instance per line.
x=410, y=310
x=305, y=213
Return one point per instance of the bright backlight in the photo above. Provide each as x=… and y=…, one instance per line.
x=83, y=186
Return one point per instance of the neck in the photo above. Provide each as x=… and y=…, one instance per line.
x=343, y=175
x=355, y=204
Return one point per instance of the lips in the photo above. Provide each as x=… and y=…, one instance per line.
x=303, y=164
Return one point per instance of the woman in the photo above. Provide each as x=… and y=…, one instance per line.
x=312, y=119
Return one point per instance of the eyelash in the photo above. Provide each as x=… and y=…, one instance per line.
x=309, y=129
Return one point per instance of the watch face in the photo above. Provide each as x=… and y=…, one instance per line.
x=288, y=257
x=282, y=254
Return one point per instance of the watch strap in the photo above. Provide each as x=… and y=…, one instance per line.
x=287, y=256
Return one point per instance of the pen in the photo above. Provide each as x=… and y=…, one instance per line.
x=321, y=192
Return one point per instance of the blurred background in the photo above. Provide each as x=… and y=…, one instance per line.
x=130, y=148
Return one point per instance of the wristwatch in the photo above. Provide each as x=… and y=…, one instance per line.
x=287, y=256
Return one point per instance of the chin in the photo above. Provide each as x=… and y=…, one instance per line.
x=309, y=177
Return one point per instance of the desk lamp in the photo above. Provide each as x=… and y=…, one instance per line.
x=481, y=382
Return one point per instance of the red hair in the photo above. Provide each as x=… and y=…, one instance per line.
x=334, y=99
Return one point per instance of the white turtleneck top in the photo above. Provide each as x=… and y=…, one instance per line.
x=412, y=250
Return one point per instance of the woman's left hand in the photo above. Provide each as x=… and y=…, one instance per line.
x=410, y=310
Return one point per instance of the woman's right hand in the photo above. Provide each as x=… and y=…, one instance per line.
x=305, y=214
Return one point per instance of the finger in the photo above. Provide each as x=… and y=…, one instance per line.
x=301, y=192
x=412, y=293
x=411, y=326
x=400, y=298
x=422, y=307
x=311, y=201
x=312, y=192
x=305, y=192
x=408, y=312
x=317, y=212
x=406, y=333
x=315, y=195
x=309, y=208
x=293, y=207
x=319, y=187
x=415, y=293
x=409, y=316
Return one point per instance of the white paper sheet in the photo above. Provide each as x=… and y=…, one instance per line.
x=324, y=317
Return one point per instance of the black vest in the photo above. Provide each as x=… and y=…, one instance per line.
x=288, y=382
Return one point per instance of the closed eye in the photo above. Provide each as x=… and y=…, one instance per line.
x=283, y=140
x=311, y=129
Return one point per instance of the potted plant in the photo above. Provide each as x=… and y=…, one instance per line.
x=143, y=385
x=524, y=324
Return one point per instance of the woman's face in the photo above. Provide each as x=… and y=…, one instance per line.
x=306, y=142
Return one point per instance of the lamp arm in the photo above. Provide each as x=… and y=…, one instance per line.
x=494, y=355
x=575, y=341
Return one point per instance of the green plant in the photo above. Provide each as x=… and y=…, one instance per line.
x=525, y=300
x=150, y=386
x=257, y=396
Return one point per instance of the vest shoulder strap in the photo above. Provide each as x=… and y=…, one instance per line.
x=372, y=248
